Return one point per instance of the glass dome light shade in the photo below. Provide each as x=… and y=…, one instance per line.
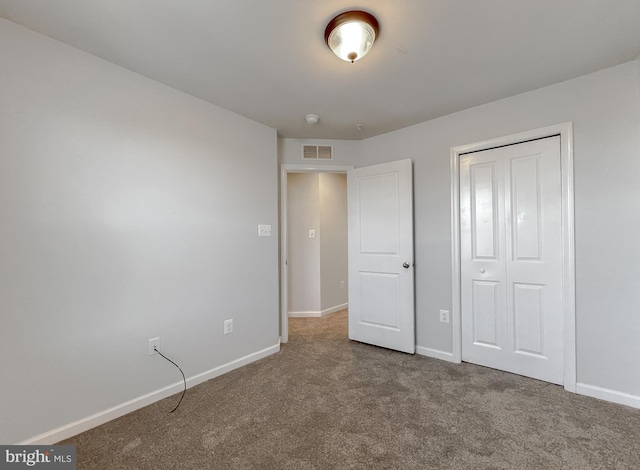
x=351, y=35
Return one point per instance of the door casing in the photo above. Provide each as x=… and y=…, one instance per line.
x=285, y=169
x=565, y=131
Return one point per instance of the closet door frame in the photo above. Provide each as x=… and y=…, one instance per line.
x=565, y=131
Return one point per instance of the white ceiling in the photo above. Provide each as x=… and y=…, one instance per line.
x=267, y=60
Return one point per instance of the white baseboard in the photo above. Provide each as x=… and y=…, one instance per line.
x=306, y=314
x=318, y=313
x=608, y=395
x=435, y=353
x=333, y=309
x=84, y=424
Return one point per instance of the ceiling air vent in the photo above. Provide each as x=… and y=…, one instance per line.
x=317, y=152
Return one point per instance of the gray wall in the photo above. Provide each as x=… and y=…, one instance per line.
x=345, y=152
x=333, y=240
x=128, y=210
x=303, y=253
x=316, y=266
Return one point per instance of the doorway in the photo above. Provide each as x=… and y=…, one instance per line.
x=285, y=277
x=495, y=319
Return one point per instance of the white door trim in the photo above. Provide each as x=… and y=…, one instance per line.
x=565, y=131
x=285, y=169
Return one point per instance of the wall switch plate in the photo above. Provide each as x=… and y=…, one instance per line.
x=228, y=327
x=444, y=316
x=154, y=343
x=312, y=234
x=264, y=230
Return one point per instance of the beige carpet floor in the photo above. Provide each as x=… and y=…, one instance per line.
x=325, y=402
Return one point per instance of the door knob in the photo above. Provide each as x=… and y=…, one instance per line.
x=405, y=265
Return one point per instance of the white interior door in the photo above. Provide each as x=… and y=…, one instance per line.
x=381, y=299
x=511, y=259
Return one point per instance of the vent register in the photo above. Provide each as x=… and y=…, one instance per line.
x=317, y=152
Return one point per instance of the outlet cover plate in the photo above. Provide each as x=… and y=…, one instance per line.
x=264, y=230
x=154, y=343
x=228, y=327
x=444, y=316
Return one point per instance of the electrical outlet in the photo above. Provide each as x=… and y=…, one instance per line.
x=341, y=284
x=264, y=230
x=312, y=234
x=154, y=343
x=228, y=327
x=444, y=316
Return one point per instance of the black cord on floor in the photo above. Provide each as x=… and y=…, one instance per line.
x=183, y=378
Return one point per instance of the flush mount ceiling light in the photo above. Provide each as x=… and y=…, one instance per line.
x=350, y=35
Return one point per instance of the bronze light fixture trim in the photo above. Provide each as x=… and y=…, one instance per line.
x=351, y=34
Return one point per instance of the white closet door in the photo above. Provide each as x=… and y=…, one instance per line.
x=511, y=259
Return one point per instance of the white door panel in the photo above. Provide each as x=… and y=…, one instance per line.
x=380, y=299
x=381, y=305
x=511, y=259
x=485, y=307
x=379, y=224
